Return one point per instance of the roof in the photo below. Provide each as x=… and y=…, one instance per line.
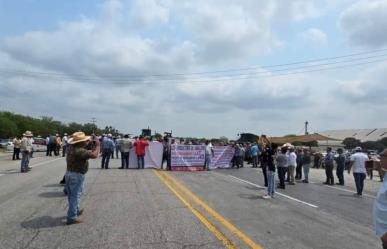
x=302, y=138
x=360, y=134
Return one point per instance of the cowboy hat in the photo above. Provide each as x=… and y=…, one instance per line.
x=28, y=134
x=78, y=137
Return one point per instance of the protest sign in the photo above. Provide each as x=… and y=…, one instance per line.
x=187, y=157
x=222, y=158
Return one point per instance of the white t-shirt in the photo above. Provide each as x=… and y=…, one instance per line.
x=209, y=149
x=292, y=159
x=359, y=165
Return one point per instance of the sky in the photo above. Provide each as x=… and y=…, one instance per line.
x=204, y=68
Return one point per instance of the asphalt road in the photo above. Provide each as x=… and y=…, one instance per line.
x=158, y=209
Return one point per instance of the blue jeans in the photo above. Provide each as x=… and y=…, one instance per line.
x=207, y=162
x=74, y=188
x=25, y=160
x=359, y=181
x=124, y=160
x=306, y=171
x=105, y=159
x=270, y=183
x=140, y=162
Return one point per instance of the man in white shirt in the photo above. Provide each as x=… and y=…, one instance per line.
x=64, y=144
x=26, y=149
x=209, y=155
x=358, y=161
x=292, y=163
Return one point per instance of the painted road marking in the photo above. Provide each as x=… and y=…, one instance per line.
x=278, y=193
x=243, y=237
x=33, y=166
x=210, y=226
x=42, y=163
x=343, y=189
x=350, y=191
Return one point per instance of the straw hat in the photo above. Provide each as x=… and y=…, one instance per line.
x=78, y=137
x=28, y=134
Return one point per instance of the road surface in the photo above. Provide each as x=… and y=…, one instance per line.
x=159, y=209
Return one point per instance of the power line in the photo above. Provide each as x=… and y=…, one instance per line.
x=139, y=77
x=268, y=75
x=212, y=77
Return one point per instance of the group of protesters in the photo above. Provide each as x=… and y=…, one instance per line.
x=290, y=163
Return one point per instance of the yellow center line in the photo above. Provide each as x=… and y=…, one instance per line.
x=243, y=237
x=210, y=226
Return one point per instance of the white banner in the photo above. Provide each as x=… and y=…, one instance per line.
x=187, y=157
x=222, y=158
x=153, y=156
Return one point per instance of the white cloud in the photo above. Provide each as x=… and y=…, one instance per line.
x=365, y=23
x=95, y=55
x=315, y=36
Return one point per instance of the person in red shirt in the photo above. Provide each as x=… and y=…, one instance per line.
x=140, y=145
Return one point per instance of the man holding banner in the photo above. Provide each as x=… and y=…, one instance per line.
x=209, y=154
x=140, y=145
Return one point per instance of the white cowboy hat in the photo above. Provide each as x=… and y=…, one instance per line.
x=28, y=134
x=78, y=137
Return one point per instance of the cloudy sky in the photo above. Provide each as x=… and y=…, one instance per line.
x=199, y=68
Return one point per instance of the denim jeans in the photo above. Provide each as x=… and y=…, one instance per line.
x=140, y=162
x=207, y=162
x=25, y=160
x=270, y=183
x=306, y=167
x=124, y=159
x=64, y=149
x=105, y=159
x=281, y=176
x=340, y=173
x=74, y=188
x=329, y=173
x=16, y=153
x=359, y=181
x=255, y=161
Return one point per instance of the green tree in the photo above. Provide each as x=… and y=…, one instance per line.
x=8, y=128
x=351, y=143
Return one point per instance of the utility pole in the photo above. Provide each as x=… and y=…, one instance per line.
x=306, y=128
x=93, y=120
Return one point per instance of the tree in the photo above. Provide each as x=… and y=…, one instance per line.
x=351, y=143
x=8, y=128
x=372, y=145
x=383, y=141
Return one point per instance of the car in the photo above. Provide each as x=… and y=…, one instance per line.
x=4, y=142
x=9, y=146
x=39, y=144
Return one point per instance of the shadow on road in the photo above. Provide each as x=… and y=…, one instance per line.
x=250, y=196
x=55, y=194
x=52, y=185
x=44, y=222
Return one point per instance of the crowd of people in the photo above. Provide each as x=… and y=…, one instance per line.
x=294, y=164
x=289, y=163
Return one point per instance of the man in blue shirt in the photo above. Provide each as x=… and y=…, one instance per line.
x=107, y=150
x=254, y=150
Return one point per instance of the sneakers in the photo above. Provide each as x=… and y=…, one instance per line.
x=76, y=221
x=266, y=197
x=305, y=181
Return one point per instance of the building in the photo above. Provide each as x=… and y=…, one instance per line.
x=363, y=135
